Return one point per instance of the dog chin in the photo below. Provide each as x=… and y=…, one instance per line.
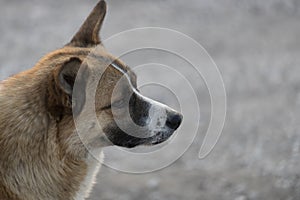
x=116, y=136
x=159, y=138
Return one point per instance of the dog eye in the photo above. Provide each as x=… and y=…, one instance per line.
x=118, y=104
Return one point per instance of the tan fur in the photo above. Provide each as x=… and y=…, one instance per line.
x=35, y=157
x=41, y=156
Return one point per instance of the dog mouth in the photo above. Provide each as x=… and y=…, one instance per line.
x=160, y=137
x=129, y=141
x=147, y=123
x=119, y=137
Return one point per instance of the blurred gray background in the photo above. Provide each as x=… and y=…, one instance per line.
x=257, y=49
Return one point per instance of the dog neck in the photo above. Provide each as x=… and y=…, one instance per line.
x=34, y=155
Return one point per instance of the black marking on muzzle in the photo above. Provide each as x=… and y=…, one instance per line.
x=120, y=138
x=139, y=109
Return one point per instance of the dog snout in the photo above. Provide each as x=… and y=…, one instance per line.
x=174, y=120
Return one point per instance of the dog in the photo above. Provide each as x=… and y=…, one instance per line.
x=43, y=155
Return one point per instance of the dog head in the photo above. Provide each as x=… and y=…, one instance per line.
x=86, y=71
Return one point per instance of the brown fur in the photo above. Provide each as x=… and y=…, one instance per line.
x=40, y=159
x=35, y=157
x=41, y=153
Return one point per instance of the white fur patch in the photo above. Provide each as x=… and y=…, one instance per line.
x=94, y=165
x=157, y=116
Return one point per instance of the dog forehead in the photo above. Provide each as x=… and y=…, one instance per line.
x=101, y=61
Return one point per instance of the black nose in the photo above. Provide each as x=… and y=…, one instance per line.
x=174, y=120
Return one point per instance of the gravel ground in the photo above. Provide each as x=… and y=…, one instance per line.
x=256, y=47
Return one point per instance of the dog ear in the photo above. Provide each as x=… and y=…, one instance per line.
x=88, y=34
x=67, y=75
x=62, y=99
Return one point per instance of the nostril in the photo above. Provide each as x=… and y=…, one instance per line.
x=174, y=121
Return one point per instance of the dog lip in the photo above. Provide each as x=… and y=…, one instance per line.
x=161, y=137
x=124, y=140
x=157, y=139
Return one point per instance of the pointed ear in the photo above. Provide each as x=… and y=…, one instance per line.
x=88, y=34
